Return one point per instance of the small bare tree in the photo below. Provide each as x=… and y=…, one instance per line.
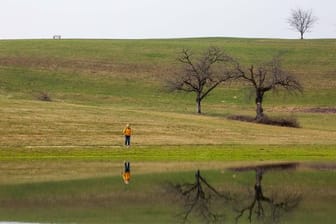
x=269, y=76
x=301, y=20
x=202, y=75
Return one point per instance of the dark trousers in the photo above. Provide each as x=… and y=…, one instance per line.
x=127, y=140
x=127, y=167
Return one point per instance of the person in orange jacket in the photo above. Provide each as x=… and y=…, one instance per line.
x=126, y=175
x=127, y=133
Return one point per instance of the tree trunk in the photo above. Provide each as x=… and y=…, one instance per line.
x=259, y=110
x=257, y=187
x=301, y=35
x=198, y=105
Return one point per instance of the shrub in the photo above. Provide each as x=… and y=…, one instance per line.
x=284, y=122
x=44, y=96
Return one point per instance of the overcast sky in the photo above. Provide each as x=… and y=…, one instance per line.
x=160, y=18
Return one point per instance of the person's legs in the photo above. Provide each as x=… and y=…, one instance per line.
x=127, y=167
x=128, y=140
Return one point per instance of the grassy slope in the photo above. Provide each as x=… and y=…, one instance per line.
x=99, y=85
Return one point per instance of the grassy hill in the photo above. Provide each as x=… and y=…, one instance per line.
x=61, y=159
x=106, y=67
x=96, y=86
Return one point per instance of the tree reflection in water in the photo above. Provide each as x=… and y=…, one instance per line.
x=201, y=199
x=268, y=209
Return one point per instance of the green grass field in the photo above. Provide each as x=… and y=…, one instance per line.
x=61, y=160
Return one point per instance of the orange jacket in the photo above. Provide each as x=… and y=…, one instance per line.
x=127, y=131
x=126, y=177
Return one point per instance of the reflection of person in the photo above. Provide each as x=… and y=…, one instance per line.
x=127, y=133
x=127, y=173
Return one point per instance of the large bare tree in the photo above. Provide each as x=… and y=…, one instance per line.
x=266, y=77
x=301, y=20
x=203, y=74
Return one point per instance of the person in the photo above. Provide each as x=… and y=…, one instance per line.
x=127, y=133
x=126, y=175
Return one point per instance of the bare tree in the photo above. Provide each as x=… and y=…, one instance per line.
x=266, y=77
x=301, y=20
x=202, y=75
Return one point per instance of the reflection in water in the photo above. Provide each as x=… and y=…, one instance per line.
x=267, y=208
x=200, y=199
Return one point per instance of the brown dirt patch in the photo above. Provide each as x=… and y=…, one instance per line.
x=323, y=110
x=322, y=166
x=75, y=65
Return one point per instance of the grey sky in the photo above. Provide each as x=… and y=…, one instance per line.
x=160, y=19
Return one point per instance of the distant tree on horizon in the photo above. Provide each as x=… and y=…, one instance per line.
x=301, y=20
